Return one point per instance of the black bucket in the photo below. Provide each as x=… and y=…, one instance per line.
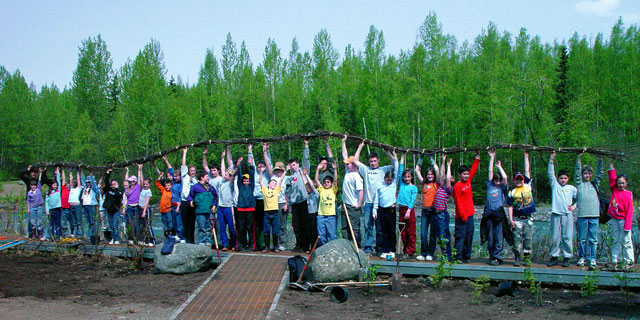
x=508, y=288
x=94, y=240
x=338, y=294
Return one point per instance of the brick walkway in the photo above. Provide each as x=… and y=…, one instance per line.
x=244, y=288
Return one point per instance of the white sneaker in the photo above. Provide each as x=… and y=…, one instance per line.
x=581, y=262
x=141, y=243
x=393, y=255
x=131, y=242
x=384, y=256
x=150, y=244
x=420, y=258
x=429, y=258
x=116, y=242
x=282, y=248
x=111, y=242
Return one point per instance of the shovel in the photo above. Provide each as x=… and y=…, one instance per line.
x=396, y=278
x=297, y=284
x=212, y=221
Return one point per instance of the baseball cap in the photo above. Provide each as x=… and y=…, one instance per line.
x=349, y=160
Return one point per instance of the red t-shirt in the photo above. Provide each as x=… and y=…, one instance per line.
x=64, y=197
x=463, y=195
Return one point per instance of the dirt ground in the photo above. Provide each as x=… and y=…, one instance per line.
x=40, y=285
x=453, y=301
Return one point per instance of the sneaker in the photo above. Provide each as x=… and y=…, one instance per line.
x=43, y=239
x=131, y=242
x=150, y=244
x=420, y=258
x=429, y=258
x=566, y=263
x=580, y=262
x=553, y=261
x=141, y=243
x=116, y=242
x=111, y=242
x=282, y=248
x=592, y=266
x=494, y=262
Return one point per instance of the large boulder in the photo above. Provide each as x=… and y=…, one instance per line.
x=336, y=261
x=185, y=258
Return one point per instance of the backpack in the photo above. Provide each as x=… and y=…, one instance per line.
x=296, y=265
x=604, y=206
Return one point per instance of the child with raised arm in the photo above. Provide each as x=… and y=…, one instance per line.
x=563, y=202
x=621, y=212
x=133, y=209
x=443, y=234
x=146, y=234
x=271, y=220
x=352, y=196
x=75, y=207
x=497, y=188
x=384, y=210
x=406, y=200
x=326, y=220
x=204, y=199
x=90, y=199
x=430, y=186
x=313, y=201
x=587, y=185
x=34, y=207
x=226, y=193
x=165, y=187
x=187, y=212
x=176, y=198
x=521, y=207
x=67, y=219
x=53, y=206
x=246, y=207
x=113, y=198
x=463, y=198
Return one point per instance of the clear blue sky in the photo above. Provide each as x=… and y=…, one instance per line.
x=41, y=38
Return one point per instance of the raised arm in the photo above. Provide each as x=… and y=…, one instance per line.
x=223, y=170
x=78, y=181
x=140, y=174
x=229, y=158
x=166, y=161
x=250, y=158
x=597, y=177
x=184, y=156
x=318, y=182
x=261, y=171
x=356, y=156
x=267, y=158
x=205, y=165
x=436, y=170
x=492, y=157
x=306, y=164
x=527, y=171
x=335, y=175
x=551, y=172
x=419, y=174
x=448, y=176
x=577, y=170
x=502, y=173
x=345, y=153
x=328, y=147
x=64, y=178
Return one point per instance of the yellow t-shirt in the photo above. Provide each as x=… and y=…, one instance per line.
x=327, y=201
x=270, y=198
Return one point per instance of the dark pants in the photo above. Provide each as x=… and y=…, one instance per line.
x=246, y=229
x=408, y=233
x=134, y=223
x=379, y=236
x=428, y=238
x=495, y=238
x=387, y=221
x=354, y=217
x=188, y=215
x=176, y=221
x=258, y=222
x=312, y=230
x=55, y=217
x=464, y=238
x=299, y=219
x=442, y=232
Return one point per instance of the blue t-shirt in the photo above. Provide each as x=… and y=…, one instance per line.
x=495, y=196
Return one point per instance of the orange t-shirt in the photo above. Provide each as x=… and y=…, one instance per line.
x=165, y=200
x=429, y=194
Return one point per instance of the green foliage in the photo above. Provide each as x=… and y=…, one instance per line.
x=480, y=285
x=535, y=288
x=371, y=276
x=444, y=267
x=623, y=278
x=590, y=284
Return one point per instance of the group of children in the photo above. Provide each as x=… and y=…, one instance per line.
x=243, y=199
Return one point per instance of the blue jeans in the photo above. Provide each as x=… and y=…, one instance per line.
x=369, y=225
x=90, y=215
x=165, y=217
x=587, y=232
x=495, y=239
x=428, y=238
x=55, y=218
x=76, y=213
x=271, y=223
x=68, y=221
x=326, y=229
x=176, y=222
x=35, y=219
x=133, y=224
x=114, y=225
x=225, y=219
x=203, y=228
x=443, y=232
x=464, y=238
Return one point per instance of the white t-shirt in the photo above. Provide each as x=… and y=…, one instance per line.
x=74, y=194
x=351, y=187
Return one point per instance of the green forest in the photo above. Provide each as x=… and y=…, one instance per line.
x=500, y=87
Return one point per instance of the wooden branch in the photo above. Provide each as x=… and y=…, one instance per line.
x=322, y=134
